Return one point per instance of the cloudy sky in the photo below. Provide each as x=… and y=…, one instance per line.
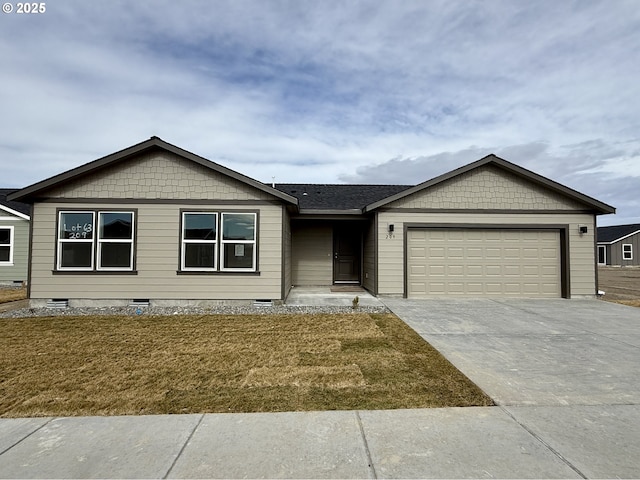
x=330, y=91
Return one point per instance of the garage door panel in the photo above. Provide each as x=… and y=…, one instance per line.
x=478, y=262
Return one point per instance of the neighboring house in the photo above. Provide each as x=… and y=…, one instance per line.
x=14, y=239
x=155, y=222
x=619, y=245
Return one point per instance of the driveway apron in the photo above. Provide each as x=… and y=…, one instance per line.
x=565, y=370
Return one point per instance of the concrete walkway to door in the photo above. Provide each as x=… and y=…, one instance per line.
x=566, y=370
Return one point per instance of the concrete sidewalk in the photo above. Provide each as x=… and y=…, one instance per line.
x=424, y=443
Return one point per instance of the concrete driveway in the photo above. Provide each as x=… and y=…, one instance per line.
x=566, y=370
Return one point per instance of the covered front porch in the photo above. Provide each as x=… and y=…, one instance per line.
x=331, y=252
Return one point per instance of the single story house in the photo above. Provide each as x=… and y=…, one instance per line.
x=156, y=223
x=14, y=239
x=619, y=245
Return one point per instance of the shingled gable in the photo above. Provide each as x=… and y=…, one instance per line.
x=593, y=204
x=154, y=143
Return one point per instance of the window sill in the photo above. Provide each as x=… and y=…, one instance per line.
x=223, y=273
x=94, y=272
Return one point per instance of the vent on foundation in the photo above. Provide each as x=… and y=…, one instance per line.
x=139, y=302
x=58, y=303
x=262, y=303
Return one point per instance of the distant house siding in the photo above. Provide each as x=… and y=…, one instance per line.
x=17, y=272
x=616, y=251
x=158, y=258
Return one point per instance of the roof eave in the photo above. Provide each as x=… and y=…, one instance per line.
x=15, y=212
x=621, y=238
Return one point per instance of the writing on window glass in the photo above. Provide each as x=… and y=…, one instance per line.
x=79, y=230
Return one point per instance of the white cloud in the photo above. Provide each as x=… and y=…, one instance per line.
x=329, y=91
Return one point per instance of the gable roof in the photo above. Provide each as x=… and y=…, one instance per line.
x=19, y=209
x=615, y=233
x=343, y=197
x=592, y=203
x=154, y=143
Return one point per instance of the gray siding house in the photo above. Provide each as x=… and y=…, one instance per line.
x=14, y=239
x=155, y=222
x=619, y=245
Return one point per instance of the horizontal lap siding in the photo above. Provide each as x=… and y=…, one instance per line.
x=312, y=253
x=17, y=271
x=157, y=260
x=391, y=247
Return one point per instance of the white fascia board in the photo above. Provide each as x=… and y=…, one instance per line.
x=14, y=212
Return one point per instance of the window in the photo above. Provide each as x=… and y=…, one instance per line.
x=627, y=251
x=199, y=241
x=238, y=241
x=75, y=241
x=115, y=241
x=602, y=255
x=218, y=241
x=6, y=246
x=79, y=246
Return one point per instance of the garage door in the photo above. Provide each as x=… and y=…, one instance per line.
x=474, y=262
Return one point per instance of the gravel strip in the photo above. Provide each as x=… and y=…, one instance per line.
x=219, y=310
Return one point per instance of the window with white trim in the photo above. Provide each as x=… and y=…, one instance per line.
x=83, y=248
x=6, y=246
x=115, y=241
x=214, y=241
x=627, y=251
x=199, y=241
x=238, y=242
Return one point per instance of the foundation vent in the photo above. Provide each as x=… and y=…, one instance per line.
x=262, y=303
x=58, y=303
x=139, y=302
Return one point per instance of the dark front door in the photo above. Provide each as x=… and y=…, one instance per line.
x=346, y=254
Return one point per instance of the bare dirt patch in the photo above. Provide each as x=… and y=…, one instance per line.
x=108, y=365
x=620, y=284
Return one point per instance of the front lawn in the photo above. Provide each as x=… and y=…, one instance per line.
x=11, y=294
x=101, y=365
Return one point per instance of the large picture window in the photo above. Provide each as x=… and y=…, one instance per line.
x=199, y=241
x=80, y=243
x=218, y=241
x=6, y=246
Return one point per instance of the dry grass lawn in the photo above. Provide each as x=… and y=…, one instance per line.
x=620, y=284
x=64, y=366
x=12, y=294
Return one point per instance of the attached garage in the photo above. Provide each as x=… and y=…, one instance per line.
x=485, y=261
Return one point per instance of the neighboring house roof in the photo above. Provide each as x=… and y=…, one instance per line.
x=154, y=143
x=598, y=206
x=338, y=197
x=19, y=209
x=615, y=233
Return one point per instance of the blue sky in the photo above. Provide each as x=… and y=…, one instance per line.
x=333, y=91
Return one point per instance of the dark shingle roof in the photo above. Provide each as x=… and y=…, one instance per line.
x=24, y=208
x=615, y=232
x=338, y=197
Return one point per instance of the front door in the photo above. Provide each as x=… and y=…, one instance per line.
x=346, y=254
